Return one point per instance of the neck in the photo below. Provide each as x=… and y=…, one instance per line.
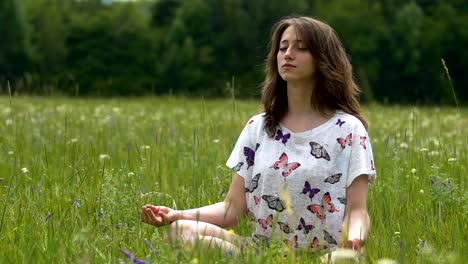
x=299, y=95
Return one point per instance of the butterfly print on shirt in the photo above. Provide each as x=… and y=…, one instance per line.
x=285, y=227
x=283, y=164
x=363, y=141
x=315, y=244
x=372, y=165
x=283, y=137
x=318, y=151
x=292, y=243
x=257, y=199
x=342, y=200
x=274, y=202
x=238, y=166
x=306, y=228
x=267, y=222
x=333, y=178
x=312, y=191
x=339, y=122
x=345, y=141
x=329, y=238
x=326, y=206
x=250, y=155
x=254, y=183
x=251, y=215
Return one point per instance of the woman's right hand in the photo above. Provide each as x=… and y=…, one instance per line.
x=158, y=215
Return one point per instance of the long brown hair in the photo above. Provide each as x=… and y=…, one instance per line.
x=335, y=87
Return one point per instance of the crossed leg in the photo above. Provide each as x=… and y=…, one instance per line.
x=211, y=236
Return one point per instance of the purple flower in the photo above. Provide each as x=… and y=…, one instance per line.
x=48, y=216
x=77, y=203
x=132, y=258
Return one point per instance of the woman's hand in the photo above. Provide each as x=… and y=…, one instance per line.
x=158, y=215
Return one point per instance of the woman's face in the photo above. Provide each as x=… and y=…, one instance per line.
x=295, y=62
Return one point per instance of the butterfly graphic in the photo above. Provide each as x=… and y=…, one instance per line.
x=318, y=151
x=288, y=242
x=346, y=141
x=333, y=178
x=329, y=238
x=342, y=200
x=251, y=215
x=282, y=163
x=363, y=141
x=307, y=189
x=284, y=138
x=304, y=227
x=238, y=166
x=315, y=245
x=339, y=122
x=254, y=184
x=267, y=222
x=285, y=227
x=250, y=121
x=256, y=199
x=372, y=165
x=274, y=202
x=261, y=239
x=326, y=206
x=250, y=155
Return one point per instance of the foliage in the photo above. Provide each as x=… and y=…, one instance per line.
x=197, y=47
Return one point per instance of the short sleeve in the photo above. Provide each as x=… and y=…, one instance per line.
x=242, y=157
x=361, y=160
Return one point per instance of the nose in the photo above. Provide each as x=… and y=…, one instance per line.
x=289, y=54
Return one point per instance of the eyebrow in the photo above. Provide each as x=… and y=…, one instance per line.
x=285, y=40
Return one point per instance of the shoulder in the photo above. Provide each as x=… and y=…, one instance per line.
x=348, y=121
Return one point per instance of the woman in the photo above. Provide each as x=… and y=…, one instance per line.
x=303, y=166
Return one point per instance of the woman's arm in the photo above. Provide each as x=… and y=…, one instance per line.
x=225, y=213
x=222, y=214
x=356, y=220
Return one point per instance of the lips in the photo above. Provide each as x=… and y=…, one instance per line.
x=287, y=65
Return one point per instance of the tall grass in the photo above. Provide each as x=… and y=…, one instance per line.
x=74, y=175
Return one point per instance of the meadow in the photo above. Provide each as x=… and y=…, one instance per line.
x=74, y=174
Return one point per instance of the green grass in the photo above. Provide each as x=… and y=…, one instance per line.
x=107, y=153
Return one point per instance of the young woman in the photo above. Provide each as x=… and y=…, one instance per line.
x=302, y=167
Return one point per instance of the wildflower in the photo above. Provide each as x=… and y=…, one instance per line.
x=386, y=261
x=48, y=216
x=231, y=232
x=424, y=150
x=25, y=170
x=452, y=159
x=397, y=232
x=73, y=140
x=216, y=140
x=130, y=174
x=77, y=203
x=194, y=261
x=413, y=170
x=132, y=258
x=421, y=191
x=145, y=147
x=404, y=145
x=11, y=152
x=104, y=156
x=434, y=153
x=8, y=122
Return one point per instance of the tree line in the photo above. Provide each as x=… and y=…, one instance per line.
x=218, y=47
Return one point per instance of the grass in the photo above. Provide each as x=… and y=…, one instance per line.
x=75, y=173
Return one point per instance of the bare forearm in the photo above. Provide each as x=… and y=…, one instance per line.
x=220, y=214
x=358, y=224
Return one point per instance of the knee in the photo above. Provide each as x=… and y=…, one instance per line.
x=178, y=230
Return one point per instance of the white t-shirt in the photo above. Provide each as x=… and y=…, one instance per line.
x=296, y=183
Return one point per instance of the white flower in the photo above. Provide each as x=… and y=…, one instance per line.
x=145, y=147
x=73, y=140
x=424, y=150
x=8, y=122
x=452, y=159
x=397, y=232
x=216, y=140
x=25, y=170
x=11, y=152
x=421, y=191
x=104, y=156
x=434, y=153
x=413, y=170
x=386, y=261
x=130, y=174
x=404, y=145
